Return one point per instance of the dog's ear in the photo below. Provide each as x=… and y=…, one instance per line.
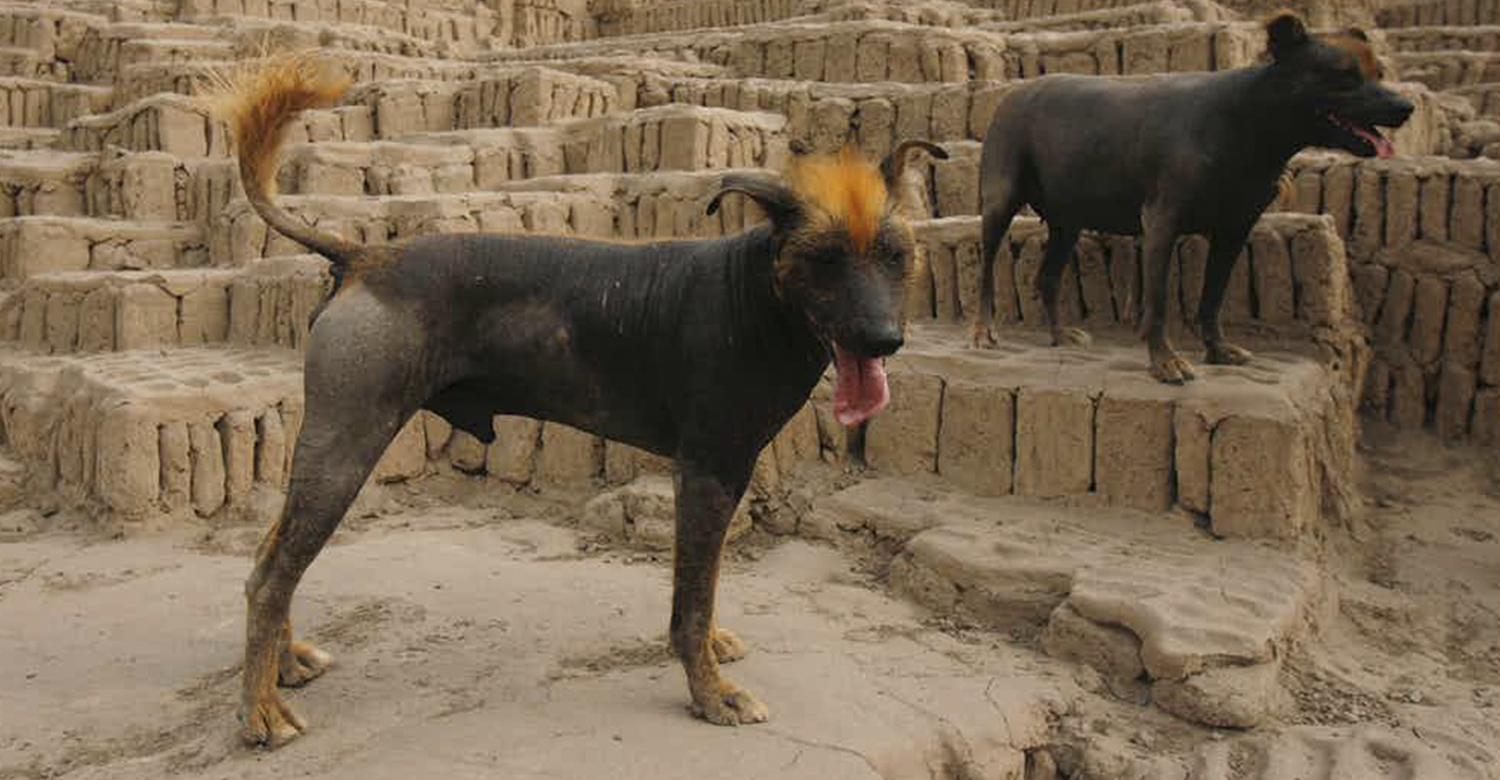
x=894, y=163
x=1357, y=34
x=1285, y=33
x=780, y=204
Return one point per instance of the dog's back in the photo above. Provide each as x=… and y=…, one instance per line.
x=1089, y=151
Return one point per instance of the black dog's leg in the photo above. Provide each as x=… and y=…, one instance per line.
x=1000, y=208
x=706, y=500
x=1158, y=236
x=1060, y=243
x=359, y=393
x=332, y=460
x=1223, y=252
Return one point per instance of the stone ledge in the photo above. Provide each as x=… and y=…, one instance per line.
x=607, y=206
x=196, y=431
x=669, y=138
x=1263, y=450
x=267, y=304
x=1145, y=599
x=31, y=245
x=1290, y=285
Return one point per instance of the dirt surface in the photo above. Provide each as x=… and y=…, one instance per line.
x=480, y=641
x=478, y=633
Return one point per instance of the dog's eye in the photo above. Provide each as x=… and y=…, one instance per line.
x=897, y=259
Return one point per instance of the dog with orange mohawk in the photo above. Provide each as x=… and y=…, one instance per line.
x=696, y=350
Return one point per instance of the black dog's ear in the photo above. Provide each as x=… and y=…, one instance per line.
x=894, y=163
x=780, y=204
x=1285, y=33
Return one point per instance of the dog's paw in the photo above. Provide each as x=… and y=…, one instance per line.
x=731, y=705
x=1225, y=354
x=271, y=723
x=727, y=647
x=301, y=663
x=1071, y=337
x=1170, y=368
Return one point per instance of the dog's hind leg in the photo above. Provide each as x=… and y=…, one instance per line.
x=1001, y=202
x=1224, y=250
x=357, y=398
x=1060, y=243
x=706, y=500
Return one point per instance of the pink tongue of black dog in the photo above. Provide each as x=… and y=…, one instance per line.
x=1383, y=146
x=861, y=390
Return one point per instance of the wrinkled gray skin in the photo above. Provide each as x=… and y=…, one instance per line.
x=1160, y=157
x=686, y=349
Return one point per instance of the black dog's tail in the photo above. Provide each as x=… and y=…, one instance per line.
x=257, y=105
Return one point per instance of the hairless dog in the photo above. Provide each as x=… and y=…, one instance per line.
x=697, y=350
x=1160, y=157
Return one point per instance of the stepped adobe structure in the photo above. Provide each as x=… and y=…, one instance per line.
x=1037, y=563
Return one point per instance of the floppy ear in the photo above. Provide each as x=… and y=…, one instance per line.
x=894, y=163
x=1285, y=33
x=779, y=202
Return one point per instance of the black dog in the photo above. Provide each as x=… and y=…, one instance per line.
x=695, y=350
x=1186, y=153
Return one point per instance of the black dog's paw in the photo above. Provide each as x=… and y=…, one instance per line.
x=1071, y=337
x=1226, y=354
x=1172, y=369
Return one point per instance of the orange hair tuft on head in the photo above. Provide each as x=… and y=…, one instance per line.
x=848, y=188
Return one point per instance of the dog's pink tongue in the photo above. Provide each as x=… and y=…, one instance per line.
x=1383, y=146
x=860, y=390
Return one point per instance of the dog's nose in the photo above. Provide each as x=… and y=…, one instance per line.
x=884, y=343
x=1403, y=110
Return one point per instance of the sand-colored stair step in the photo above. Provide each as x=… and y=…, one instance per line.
x=987, y=17
x=1091, y=424
x=1157, y=606
x=26, y=138
x=30, y=64
x=866, y=51
x=668, y=138
x=465, y=24
x=1414, y=13
x=109, y=50
x=1474, y=38
x=134, y=82
x=40, y=103
x=1443, y=70
x=265, y=304
x=632, y=206
x=40, y=40
x=623, y=17
x=42, y=244
x=201, y=431
x=1291, y=284
x=150, y=186
x=44, y=183
x=388, y=109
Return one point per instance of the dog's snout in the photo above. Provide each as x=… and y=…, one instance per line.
x=884, y=342
x=1403, y=109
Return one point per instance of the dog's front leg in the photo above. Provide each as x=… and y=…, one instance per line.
x=706, y=500
x=1160, y=226
x=1223, y=252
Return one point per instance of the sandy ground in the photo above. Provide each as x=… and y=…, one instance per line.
x=479, y=634
x=471, y=642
